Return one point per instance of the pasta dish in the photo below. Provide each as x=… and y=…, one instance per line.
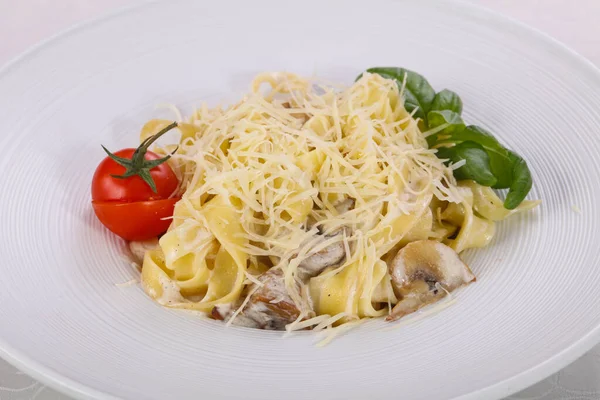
x=307, y=205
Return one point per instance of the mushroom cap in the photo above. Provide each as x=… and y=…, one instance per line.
x=331, y=255
x=419, y=269
x=430, y=262
x=270, y=307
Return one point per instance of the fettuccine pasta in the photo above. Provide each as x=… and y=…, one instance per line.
x=305, y=206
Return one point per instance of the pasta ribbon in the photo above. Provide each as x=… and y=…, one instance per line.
x=300, y=195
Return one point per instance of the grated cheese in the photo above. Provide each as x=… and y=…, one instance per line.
x=264, y=179
x=243, y=305
x=337, y=331
x=130, y=282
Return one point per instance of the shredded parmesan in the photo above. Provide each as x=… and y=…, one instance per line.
x=457, y=165
x=318, y=323
x=243, y=305
x=266, y=183
x=130, y=282
x=337, y=331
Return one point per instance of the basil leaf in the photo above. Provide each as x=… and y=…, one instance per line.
x=521, y=183
x=502, y=169
x=500, y=163
x=476, y=134
x=477, y=167
x=487, y=161
x=438, y=118
x=447, y=100
x=454, y=124
x=418, y=93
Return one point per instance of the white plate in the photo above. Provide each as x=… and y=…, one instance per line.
x=534, y=308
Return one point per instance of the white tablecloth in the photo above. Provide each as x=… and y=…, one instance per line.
x=574, y=22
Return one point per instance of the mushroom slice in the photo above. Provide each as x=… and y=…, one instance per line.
x=270, y=307
x=418, y=271
x=316, y=263
x=330, y=255
x=139, y=248
x=223, y=312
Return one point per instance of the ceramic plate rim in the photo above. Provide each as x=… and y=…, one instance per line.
x=506, y=387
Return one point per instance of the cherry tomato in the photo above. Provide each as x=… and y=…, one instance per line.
x=105, y=187
x=140, y=220
x=131, y=191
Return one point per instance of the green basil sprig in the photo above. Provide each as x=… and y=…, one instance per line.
x=487, y=161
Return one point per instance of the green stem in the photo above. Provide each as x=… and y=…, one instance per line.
x=138, y=165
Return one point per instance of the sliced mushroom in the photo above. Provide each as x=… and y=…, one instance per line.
x=270, y=307
x=330, y=255
x=418, y=271
x=223, y=312
x=139, y=248
x=316, y=263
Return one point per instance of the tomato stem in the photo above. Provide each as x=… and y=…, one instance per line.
x=138, y=165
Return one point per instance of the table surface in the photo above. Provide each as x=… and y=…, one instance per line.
x=574, y=22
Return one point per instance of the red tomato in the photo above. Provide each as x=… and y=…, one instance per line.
x=140, y=220
x=108, y=188
x=131, y=189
